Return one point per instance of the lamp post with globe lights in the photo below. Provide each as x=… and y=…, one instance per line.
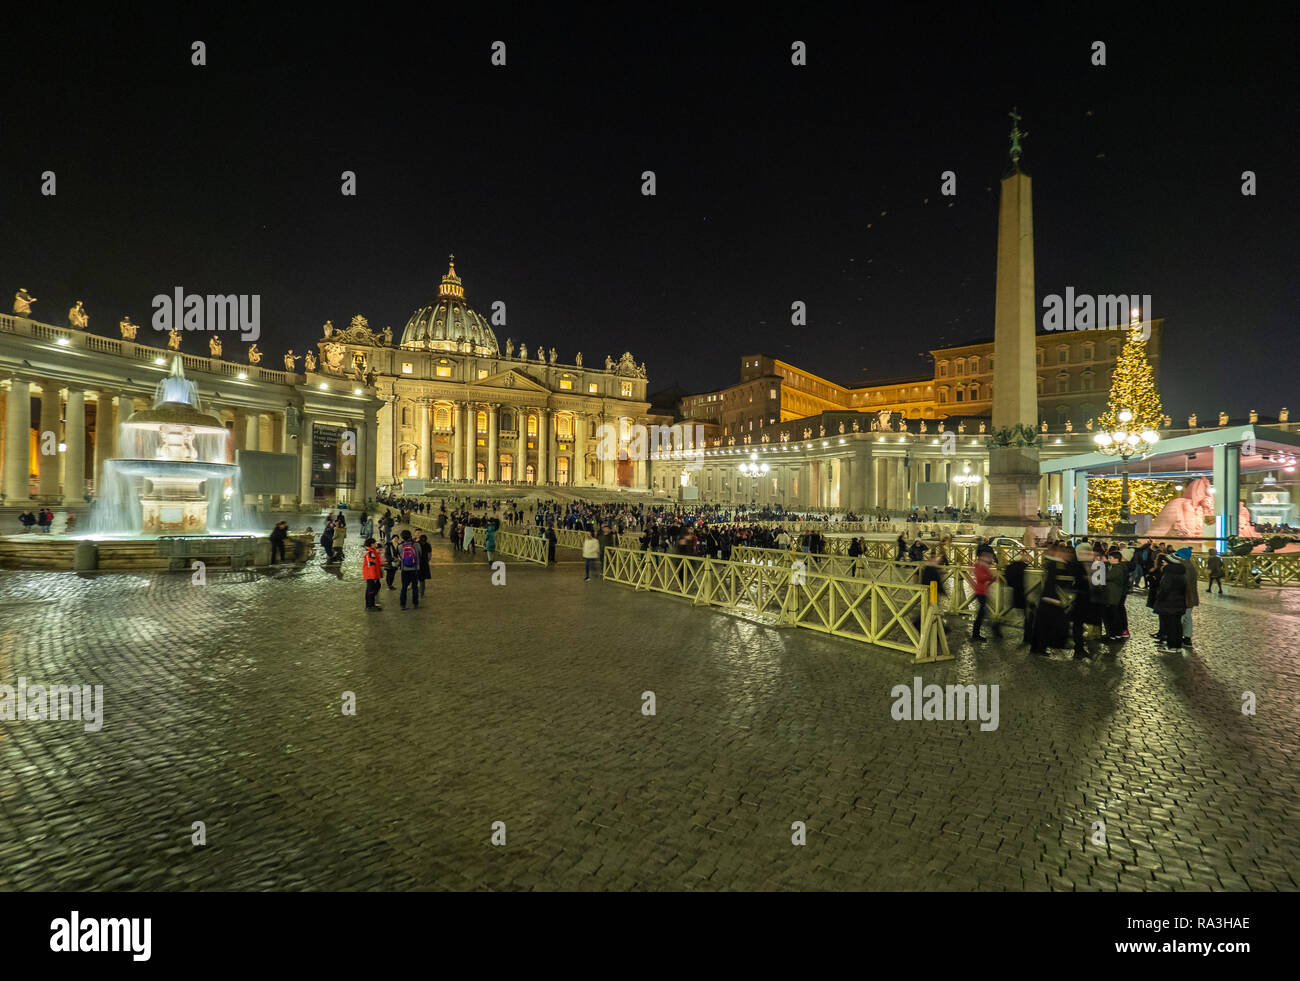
x=966, y=480
x=1126, y=443
x=753, y=469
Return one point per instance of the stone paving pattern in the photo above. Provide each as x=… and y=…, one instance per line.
x=521, y=703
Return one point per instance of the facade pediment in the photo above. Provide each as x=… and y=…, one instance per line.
x=511, y=379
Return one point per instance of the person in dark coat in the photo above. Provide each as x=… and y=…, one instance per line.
x=902, y=548
x=426, y=550
x=392, y=559
x=1057, y=616
x=1014, y=577
x=1171, y=604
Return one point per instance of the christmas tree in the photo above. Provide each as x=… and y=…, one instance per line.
x=1145, y=497
x=1133, y=387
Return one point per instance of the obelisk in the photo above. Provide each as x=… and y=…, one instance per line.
x=1013, y=469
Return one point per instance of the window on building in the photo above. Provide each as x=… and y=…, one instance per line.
x=771, y=393
x=943, y=369
x=1112, y=349
x=974, y=393
x=442, y=417
x=960, y=394
x=532, y=425
x=480, y=422
x=961, y=367
x=943, y=394
x=443, y=371
x=566, y=384
x=507, y=421
x=406, y=415
x=407, y=367
x=626, y=389
x=482, y=372
x=1087, y=352
x=1062, y=355
x=1062, y=383
x=592, y=388
x=564, y=427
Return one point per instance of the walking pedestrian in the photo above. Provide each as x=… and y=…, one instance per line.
x=985, y=574
x=1214, y=563
x=426, y=551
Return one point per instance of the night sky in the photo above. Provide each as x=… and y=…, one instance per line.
x=775, y=183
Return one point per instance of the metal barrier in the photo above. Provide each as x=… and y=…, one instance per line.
x=513, y=545
x=894, y=615
x=957, y=580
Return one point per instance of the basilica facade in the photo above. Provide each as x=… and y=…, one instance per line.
x=457, y=407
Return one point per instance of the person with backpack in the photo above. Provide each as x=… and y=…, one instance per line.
x=371, y=563
x=392, y=559
x=409, y=554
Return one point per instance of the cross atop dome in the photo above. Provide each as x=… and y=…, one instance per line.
x=451, y=285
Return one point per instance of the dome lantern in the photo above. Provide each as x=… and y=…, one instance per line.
x=448, y=323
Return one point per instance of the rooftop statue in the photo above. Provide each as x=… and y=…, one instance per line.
x=23, y=303
x=254, y=355
x=174, y=339
x=309, y=362
x=577, y=360
x=609, y=363
x=552, y=355
x=388, y=337
x=78, y=317
x=289, y=360
x=127, y=328
x=510, y=348
x=328, y=329
x=214, y=345
x=523, y=352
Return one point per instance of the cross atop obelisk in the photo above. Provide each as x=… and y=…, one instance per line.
x=1016, y=137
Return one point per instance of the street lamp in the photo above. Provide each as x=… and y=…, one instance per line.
x=966, y=480
x=1124, y=443
x=754, y=469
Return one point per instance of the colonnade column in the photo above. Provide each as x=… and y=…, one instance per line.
x=103, y=435
x=426, y=445
x=125, y=406
x=74, y=460
x=362, y=470
x=48, y=462
x=253, y=435
x=493, y=456
x=305, y=495
x=18, y=424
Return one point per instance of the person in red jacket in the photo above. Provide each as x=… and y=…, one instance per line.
x=985, y=575
x=372, y=564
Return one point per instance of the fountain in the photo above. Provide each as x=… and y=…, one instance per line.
x=175, y=475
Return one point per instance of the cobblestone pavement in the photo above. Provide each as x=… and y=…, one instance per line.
x=522, y=704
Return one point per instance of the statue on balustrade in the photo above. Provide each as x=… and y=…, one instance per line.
x=289, y=360
x=77, y=316
x=523, y=352
x=552, y=355
x=174, y=339
x=23, y=303
x=328, y=328
x=578, y=360
x=127, y=328
x=388, y=337
x=309, y=362
x=609, y=363
x=254, y=355
x=510, y=348
x=214, y=345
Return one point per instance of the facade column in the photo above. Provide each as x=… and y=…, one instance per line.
x=103, y=435
x=493, y=454
x=578, y=470
x=542, y=437
x=48, y=463
x=74, y=461
x=471, y=435
x=18, y=424
x=384, y=443
x=426, y=442
x=305, y=495
x=455, y=440
x=847, y=487
x=362, y=491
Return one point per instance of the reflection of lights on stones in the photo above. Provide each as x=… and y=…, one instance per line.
x=159, y=360
x=62, y=342
x=324, y=385
x=242, y=376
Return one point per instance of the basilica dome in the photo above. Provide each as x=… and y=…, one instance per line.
x=448, y=324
